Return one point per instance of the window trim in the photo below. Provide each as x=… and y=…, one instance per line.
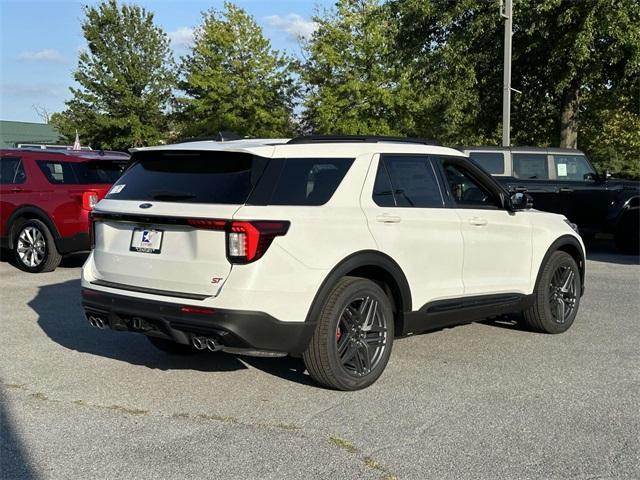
x=428, y=158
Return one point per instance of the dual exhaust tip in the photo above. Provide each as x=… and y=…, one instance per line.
x=204, y=343
x=97, y=322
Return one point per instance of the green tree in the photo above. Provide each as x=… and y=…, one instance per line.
x=235, y=81
x=354, y=82
x=125, y=79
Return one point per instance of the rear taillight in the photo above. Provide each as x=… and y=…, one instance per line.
x=247, y=241
x=89, y=200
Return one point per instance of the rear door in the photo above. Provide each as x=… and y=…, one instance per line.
x=404, y=207
x=158, y=229
x=13, y=188
x=531, y=173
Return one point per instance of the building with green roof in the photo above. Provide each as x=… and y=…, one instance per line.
x=14, y=133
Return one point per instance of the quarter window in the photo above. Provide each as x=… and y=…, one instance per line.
x=492, y=162
x=12, y=171
x=530, y=166
x=411, y=182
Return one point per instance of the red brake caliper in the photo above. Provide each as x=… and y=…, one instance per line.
x=338, y=333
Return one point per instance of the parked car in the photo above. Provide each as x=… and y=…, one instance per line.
x=324, y=247
x=45, y=200
x=563, y=181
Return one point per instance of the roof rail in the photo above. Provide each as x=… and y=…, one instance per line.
x=223, y=136
x=358, y=139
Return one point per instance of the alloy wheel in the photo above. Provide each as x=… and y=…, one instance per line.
x=562, y=293
x=31, y=246
x=361, y=336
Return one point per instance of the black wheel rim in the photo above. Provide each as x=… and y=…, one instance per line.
x=563, y=293
x=361, y=336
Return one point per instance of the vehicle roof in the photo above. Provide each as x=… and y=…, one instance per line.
x=520, y=149
x=68, y=155
x=280, y=148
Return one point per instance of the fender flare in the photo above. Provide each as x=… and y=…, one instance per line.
x=564, y=241
x=363, y=258
x=34, y=212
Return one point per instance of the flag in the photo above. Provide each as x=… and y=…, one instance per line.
x=76, y=144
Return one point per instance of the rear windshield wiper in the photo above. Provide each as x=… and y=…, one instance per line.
x=167, y=194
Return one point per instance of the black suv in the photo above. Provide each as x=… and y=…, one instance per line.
x=562, y=180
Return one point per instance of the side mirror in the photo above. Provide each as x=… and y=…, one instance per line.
x=607, y=174
x=521, y=201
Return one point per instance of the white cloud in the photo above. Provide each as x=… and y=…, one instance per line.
x=182, y=37
x=46, y=55
x=297, y=27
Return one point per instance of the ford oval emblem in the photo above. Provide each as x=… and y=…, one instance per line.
x=146, y=205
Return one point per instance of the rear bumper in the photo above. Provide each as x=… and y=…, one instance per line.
x=232, y=328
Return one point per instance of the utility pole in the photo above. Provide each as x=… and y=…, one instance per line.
x=506, y=11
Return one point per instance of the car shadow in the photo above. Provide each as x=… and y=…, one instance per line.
x=61, y=318
x=604, y=250
x=73, y=260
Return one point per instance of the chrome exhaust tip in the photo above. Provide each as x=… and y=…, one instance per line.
x=212, y=345
x=200, y=343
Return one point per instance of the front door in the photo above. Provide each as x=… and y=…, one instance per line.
x=497, y=242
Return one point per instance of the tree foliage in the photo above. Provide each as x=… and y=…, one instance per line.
x=125, y=79
x=234, y=80
x=355, y=84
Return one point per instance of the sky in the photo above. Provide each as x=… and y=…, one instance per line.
x=40, y=41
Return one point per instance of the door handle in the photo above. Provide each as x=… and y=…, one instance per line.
x=565, y=190
x=479, y=222
x=520, y=189
x=16, y=189
x=386, y=218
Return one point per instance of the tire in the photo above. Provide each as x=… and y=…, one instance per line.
x=34, y=248
x=350, y=349
x=557, y=295
x=171, y=347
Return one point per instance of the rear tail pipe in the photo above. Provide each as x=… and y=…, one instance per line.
x=205, y=343
x=97, y=322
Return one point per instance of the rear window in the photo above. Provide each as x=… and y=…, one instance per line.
x=492, y=162
x=229, y=178
x=81, y=173
x=193, y=177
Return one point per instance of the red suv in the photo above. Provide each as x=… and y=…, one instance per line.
x=45, y=200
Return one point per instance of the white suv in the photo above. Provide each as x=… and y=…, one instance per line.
x=325, y=247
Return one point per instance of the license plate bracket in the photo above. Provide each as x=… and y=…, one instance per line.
x=146, y=240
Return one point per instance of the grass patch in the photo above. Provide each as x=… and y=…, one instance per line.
x=343, y=444
x=218, y=418
x=39, y=396
x=129, y=411
x=371, y=463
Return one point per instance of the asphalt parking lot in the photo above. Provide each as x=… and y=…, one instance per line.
x=486, y=400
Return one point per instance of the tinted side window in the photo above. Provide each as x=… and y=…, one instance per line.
x=309, y=181
x=100, y=172
x=413, y=181
x=492, y=162
x=57, y=172
x=11, y=171
x=571, y=167
x=382, y=191
x=530, y=166
x=466, y=191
